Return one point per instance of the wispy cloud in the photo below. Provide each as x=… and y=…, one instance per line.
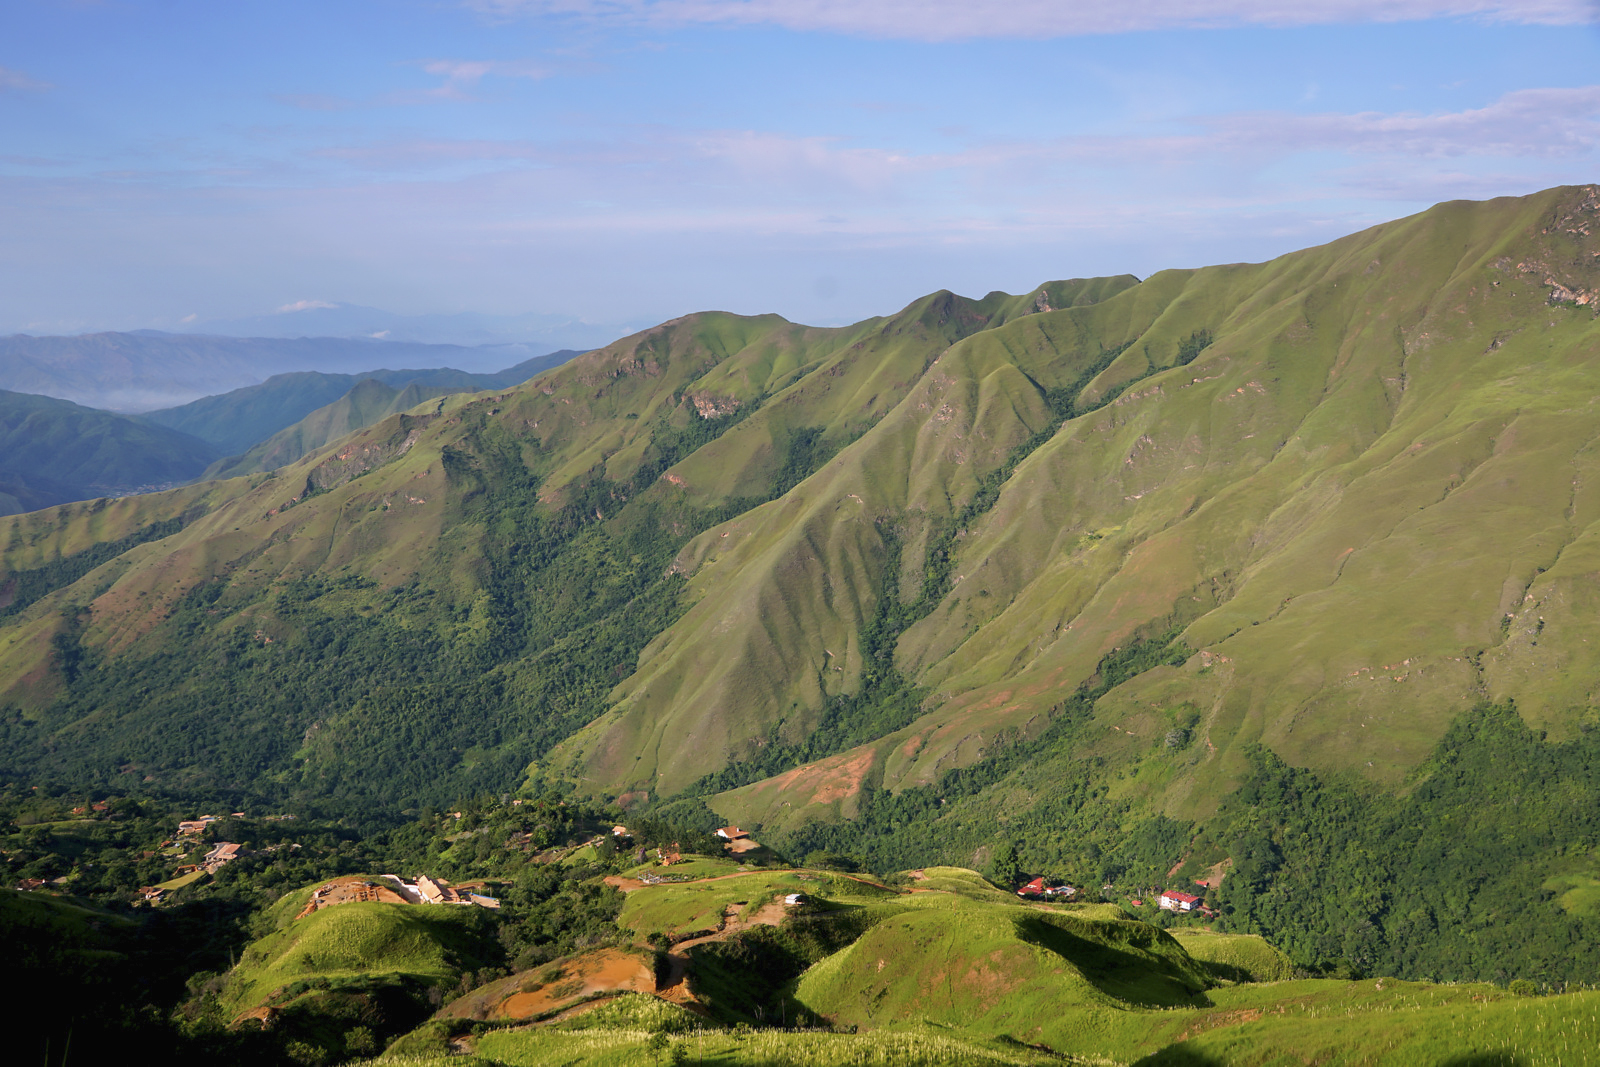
x=461, y=76
x=961, y=19
x=1527, y=122
x=304, y=305
x=17, y=81
x=1522, y=125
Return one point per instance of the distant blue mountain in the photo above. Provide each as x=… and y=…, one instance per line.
x=147, y=369
x=237, y=420
x=322, y=319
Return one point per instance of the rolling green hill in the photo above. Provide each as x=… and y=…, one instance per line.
x=1124, y=571
x=54, y=451
x=968, y=974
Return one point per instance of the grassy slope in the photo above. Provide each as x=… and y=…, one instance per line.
x=398, y=514
x=1403, y=1025
x=1337, y=1024
x=351, y=942
x=1235, y=957
x=1037, y=975
x=627, y=1048
x=1307, y=497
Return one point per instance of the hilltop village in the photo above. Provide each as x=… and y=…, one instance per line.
x=198, y=854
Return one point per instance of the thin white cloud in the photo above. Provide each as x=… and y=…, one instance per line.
x=1527, y=122
x=463, y=75
x=17, y=81
x=1521, y=125
x=964, y=19
x=305, y=305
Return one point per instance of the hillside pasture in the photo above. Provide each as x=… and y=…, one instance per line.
x=1235, y=957
x=353, y=943
x=680, y=909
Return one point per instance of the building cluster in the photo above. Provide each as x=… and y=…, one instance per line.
x=426, y=890
x=1039, y=890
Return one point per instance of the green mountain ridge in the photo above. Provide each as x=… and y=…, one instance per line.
x=1099, y=553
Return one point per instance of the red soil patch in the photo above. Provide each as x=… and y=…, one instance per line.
x=626, y=885
x=835, y=778
x=1215, y=874
x=846, y=781
x=529, y=994
x=351, y=890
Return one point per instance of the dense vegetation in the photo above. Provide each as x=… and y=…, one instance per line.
x=411, y=701
x=1485, y=869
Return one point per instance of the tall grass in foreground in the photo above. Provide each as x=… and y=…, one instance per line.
x=1561, y=1031
x=729, y=1048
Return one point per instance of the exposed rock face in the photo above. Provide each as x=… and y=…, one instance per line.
x=711, y=406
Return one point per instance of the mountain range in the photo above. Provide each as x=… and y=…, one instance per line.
x=1110, y=567
x=241, y=418
x=147, y=369
x=321, y=318
x=57, y=451
x=53, y=451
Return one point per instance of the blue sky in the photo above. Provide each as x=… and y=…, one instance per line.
x=626, y=161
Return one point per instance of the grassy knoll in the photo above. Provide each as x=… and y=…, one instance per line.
x=352, y=942
x=679, y=909
x=1034, y=975
x=1235, y=957
x=964, y=883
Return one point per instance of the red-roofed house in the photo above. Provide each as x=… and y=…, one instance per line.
x=731, y=833
x=1034, y=888
x=1172, y=900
